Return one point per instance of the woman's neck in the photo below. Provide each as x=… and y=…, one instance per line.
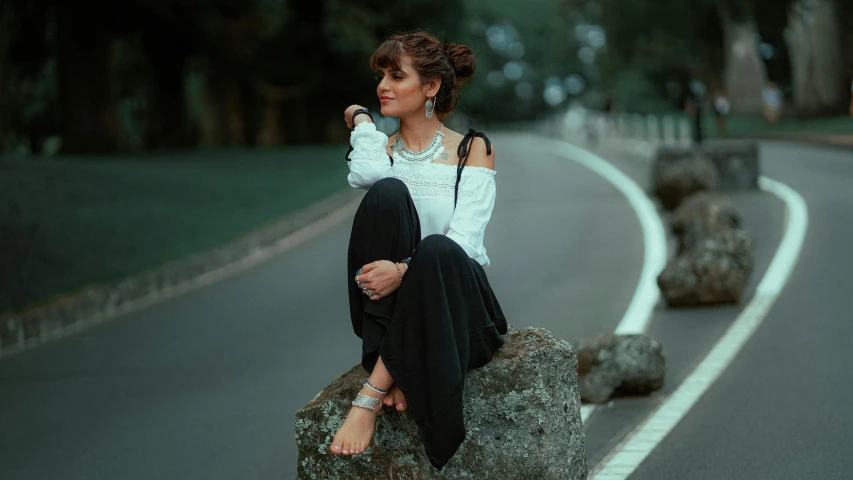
x=417, y=133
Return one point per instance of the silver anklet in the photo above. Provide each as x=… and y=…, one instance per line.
x=374, y=387
x=364, y=401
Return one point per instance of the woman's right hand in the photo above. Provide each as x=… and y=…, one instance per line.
x=348, y=115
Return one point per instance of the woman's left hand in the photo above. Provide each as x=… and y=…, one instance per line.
x=379, y=278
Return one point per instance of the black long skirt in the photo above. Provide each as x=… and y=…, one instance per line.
x=442, y=322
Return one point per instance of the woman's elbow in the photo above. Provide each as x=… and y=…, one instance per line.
x=357, y=181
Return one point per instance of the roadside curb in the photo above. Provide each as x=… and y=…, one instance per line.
x=840, y=141
x=20, y=331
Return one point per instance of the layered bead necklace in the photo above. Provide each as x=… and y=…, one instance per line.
x=426, y=155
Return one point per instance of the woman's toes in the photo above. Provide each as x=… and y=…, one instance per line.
x=401, y=406
x=336, y=449
x=388, y=400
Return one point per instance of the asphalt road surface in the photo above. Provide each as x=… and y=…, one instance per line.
x=784, y=407
x=206, y=385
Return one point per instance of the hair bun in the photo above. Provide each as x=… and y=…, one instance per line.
x=462, y=59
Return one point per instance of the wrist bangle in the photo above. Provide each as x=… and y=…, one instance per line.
x=398, y=273
x=358, y=112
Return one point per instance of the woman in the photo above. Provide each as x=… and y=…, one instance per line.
x=772, y=99
x=419, y=297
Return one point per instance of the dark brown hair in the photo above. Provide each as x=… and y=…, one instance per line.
x=452, y=62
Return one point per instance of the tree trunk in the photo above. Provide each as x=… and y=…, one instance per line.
x=5, y=20
x=814, y=45
x=167, y=124
x=272, y=97
x=83, y=53
x=744, y=72
x=224, y=121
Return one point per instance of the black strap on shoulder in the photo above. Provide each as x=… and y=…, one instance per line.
x=463, y=151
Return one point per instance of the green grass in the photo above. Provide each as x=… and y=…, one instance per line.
x=742, y=126
x=67, y=223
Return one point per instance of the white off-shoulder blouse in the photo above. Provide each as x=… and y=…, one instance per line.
x=431, y=186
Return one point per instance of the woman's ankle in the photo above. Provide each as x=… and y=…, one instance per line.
x=366, y=391
x=372, y=393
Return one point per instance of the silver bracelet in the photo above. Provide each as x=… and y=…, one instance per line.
x=374, y=387
x=398, y=273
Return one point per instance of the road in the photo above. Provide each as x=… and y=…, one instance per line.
x=783, y=408
x=205, y=385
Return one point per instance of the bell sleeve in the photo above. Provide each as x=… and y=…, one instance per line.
x=368, y=160
x=473, y=211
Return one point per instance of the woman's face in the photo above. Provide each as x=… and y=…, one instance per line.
x=400, y=92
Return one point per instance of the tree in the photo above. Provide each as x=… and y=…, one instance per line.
x=744, y=73
x=668, y=40
x=813, y=37
x=83, y=54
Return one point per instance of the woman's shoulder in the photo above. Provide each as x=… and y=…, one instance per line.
x=482, y=151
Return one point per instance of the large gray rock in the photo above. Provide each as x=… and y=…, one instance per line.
x=674, y=181
x=611, y=364
x=714, y=271
x=522, y=415
x=735, y=160
x=700, y=215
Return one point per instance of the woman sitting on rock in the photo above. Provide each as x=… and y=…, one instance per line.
x=419, y=297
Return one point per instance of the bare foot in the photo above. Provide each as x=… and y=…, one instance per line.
x=355, y=435
x=395, y=397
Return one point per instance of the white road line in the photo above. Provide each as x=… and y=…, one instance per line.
x=630, y=453
x=645, y=298
x=639, y=311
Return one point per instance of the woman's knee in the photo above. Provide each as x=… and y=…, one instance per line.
x=439, y=246
x=388, y=188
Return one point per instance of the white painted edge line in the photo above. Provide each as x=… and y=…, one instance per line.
x=630, y=453
x=636, y=318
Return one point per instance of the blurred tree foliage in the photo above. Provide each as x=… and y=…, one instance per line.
x=520, y=46
x=655, y=48
x=146, y=74
x=135, y=75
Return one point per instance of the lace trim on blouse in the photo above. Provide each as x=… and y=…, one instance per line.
x=436, y=179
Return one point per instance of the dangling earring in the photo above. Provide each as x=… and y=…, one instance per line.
x=430, y=107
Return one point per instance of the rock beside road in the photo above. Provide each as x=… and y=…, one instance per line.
x=736, y=161
x=522, y=414
x=713, y=271
x=674, y=181
x=610, y=364
x=701, y=215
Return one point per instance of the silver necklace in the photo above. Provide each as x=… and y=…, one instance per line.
x=426, y=155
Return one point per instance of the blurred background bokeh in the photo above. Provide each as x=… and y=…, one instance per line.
x=110, y=77
x=199, y=112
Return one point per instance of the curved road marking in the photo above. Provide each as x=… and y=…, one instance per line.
x=630, y=453
x=639, y=311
